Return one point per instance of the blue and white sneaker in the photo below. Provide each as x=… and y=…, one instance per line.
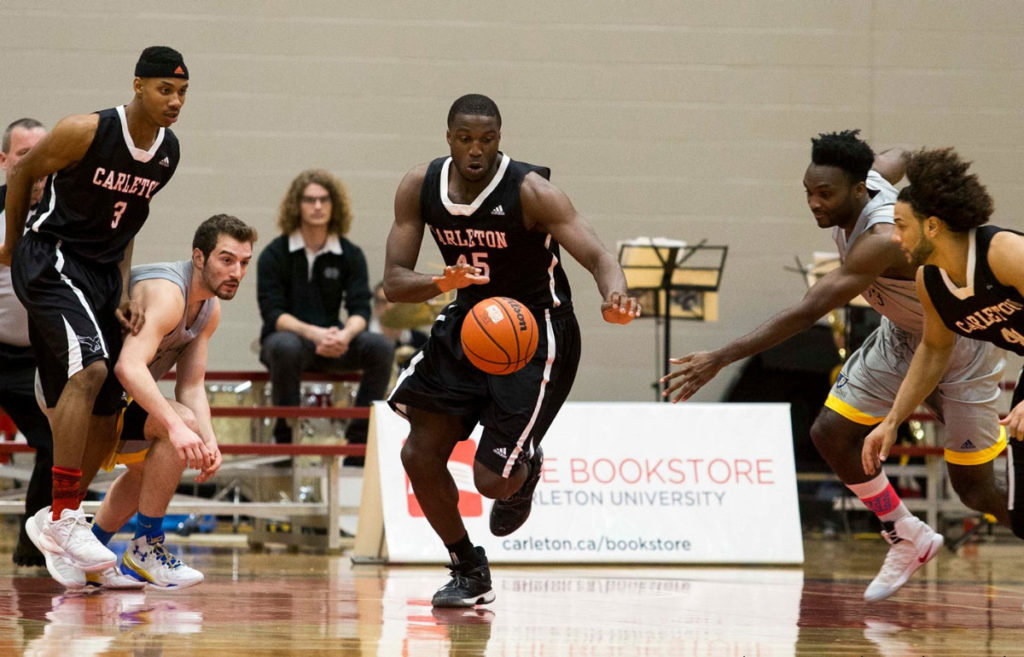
x=112, y=579
x=148, y=560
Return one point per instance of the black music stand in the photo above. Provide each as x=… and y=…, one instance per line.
x=673, y=279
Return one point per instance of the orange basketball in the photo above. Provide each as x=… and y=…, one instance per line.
x=499, y=335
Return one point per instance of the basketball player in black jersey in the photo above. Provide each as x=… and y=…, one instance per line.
x=70, y=270
x=970, y=282
x=499, y=225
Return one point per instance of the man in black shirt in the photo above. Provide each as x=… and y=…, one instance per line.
x=303, y=278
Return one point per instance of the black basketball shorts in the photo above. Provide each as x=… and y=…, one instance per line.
x=71, y=306
x=515, y=409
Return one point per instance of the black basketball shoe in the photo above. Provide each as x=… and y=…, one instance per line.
x=470, y=584
x=509, y=514
x=25, y=552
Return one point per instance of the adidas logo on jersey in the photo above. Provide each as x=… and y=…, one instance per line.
x=166, y=162
x=499, y=211
x=967, y=444
x=501, y=451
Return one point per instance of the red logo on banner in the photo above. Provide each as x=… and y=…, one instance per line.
x=471, y=503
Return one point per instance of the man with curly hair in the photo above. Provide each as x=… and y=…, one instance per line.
x=303, y=278
x=851, y=191
x=971, y=283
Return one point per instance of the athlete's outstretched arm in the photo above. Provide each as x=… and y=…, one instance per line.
x=401, y=281
x=926, y=369
x=549, y=209
x=65, y=145
x=1006, y=260
x=871, y=256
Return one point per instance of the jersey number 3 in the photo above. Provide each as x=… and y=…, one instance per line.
x=119, y=209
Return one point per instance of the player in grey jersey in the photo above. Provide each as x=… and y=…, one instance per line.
x=181, y=302
x=851, y=191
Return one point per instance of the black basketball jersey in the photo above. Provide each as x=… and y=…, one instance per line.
x=490, y=234
x=992, y=313
x=97, y=205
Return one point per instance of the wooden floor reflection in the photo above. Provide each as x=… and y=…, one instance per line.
x=280, y=603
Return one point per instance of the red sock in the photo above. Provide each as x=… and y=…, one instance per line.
x=65, y=489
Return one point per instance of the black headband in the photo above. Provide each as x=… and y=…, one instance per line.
x=161, y=62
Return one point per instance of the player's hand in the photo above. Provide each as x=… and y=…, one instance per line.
x=620, y=309
x=456, y=277
x=877, y=445
x=696, y=369
x=190, y=448
x=215, y=461
x=1014, y=422
x=130, y=314
x=5, y=255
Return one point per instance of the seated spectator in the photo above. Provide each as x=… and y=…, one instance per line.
x=304, y=277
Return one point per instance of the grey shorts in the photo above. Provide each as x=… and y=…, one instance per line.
x=965, y=401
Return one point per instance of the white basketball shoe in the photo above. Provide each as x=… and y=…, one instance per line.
x=76, y=580
x=112, y=579
x=149, y=560
x=66, y=573
x=912, y=545
x=70, y=537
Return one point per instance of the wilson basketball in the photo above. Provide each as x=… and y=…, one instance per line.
x=499, y=335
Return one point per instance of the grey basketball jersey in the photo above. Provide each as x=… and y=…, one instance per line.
x=175, y=342
x=891, y=297
x=13, y=316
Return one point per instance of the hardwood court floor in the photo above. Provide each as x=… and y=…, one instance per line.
x=281, y=603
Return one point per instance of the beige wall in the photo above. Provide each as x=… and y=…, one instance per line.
x=673, y=118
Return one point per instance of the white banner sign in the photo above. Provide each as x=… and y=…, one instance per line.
x=625, y=483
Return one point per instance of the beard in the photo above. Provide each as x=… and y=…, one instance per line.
x=922, y=252
x=226, y=293
x=219, y=289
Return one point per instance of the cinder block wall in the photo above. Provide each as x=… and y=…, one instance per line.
x=676, y=118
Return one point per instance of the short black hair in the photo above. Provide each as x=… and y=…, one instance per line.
x=210, y=230
x=941, y=187
x=474, y=105
x=843, y=150
x=25, y=123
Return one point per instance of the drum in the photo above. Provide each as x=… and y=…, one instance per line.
x=233, y=430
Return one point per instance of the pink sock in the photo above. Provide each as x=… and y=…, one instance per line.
x=881, y=498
